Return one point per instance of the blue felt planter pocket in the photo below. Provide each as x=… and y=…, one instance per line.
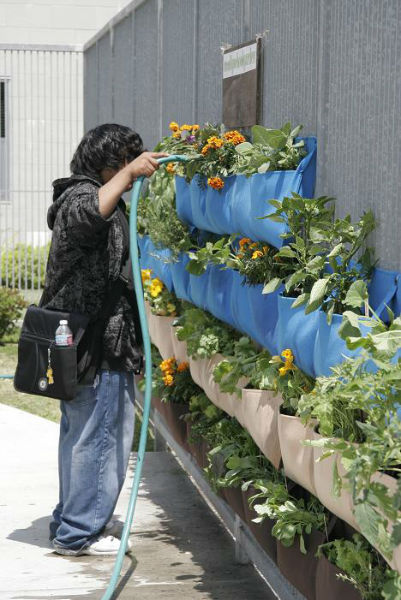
x=156, y=260
x=180, y=277
x=198, y=288
x=263, y=312
x=330, y=348
x=240, y=302
x=297, y=331
x=219, y=291
x=236, y=208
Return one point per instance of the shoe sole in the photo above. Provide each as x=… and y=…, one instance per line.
x=87, y=552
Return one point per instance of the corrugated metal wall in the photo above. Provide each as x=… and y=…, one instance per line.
x=332, y=65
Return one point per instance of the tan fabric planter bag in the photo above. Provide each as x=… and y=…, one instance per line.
x=341, y=506
x=160, y=333
x=179, y=348
x=227, y=402
x=258, y=412
x=197, y=369
x=297, y=458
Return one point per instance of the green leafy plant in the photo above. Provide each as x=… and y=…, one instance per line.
x=205, y=335
x=271, y=150
x=157, y=215
x=11, y=307
x=24, y=265
x=360, y=564
x=294, y=518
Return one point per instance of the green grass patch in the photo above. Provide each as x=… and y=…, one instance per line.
x=48, y=408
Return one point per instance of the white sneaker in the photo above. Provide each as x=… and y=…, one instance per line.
x=104, y=545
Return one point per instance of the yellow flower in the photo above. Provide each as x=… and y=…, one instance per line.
x=171, y=307
x=170, y=168
x=234, y=137
x=205, y=149
x=145, y=274
x=195, y=127
x=283, y=371
x=182, y=367
x=156, y=288
x=186, y=127
x=215, y=142
x=288, y=355
x=257, y=254
x=177, y=135
x=174, y=126
x=216, y=183
x=168, y=380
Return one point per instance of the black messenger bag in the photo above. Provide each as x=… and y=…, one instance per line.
x=44, y=368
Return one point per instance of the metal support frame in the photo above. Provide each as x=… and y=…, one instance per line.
x=247, y=549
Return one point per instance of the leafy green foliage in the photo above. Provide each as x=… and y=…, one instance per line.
x=293, y=518
x=24, y=265
x=272, y=150
x=158, y=218
x=362, y=567
x=11, y=307
x=205, y=335
x=318, y=263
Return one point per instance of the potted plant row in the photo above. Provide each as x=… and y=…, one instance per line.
x=224, y=185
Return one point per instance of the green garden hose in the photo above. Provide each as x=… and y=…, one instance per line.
x=148, y=375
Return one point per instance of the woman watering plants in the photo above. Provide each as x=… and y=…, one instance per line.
x=88, y=255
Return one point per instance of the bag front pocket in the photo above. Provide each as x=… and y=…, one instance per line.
x=33, y=362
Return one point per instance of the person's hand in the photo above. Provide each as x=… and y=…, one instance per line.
x=145, y=164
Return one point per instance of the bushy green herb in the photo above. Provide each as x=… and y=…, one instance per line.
x=292, y=517
x=205, y=335
x=11, y=307
x=362, y=567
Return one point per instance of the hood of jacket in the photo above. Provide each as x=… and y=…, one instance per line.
x=61, y=192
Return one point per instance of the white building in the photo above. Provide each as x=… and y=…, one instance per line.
x=41, y=113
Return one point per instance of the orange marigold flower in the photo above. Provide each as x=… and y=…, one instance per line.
x=170, y=168
x=265, y=249
x=244, y=241
x=205, y=149
x=257, y=254
x=182, y=367
x=174, y=126
x=216, y=183
x=234, y=137
x=195, y=127
x=215, y=142
x=168, y=380
x=186, y=127
x=254, y=245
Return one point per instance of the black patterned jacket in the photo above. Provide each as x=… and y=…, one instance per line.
x=85, y=259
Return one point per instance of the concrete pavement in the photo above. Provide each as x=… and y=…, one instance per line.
x=180, y=548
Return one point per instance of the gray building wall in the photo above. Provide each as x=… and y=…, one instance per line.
x=332, y=65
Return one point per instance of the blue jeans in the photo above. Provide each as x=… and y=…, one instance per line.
x=96, y=434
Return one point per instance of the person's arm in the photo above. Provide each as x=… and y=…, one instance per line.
x=110, y=193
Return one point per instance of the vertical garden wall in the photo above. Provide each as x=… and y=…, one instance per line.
x=330, y=65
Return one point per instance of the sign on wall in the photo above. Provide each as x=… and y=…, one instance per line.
x=242, y=85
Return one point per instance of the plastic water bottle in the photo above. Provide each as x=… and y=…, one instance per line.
x=64, y=334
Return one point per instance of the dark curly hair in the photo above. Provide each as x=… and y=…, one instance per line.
x=105, y=146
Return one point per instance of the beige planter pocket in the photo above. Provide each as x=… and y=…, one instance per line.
x=160, y=333
x=197, y=369
x=341, y=506
x=258, y=412
x=297, y=458
x=179, y=348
